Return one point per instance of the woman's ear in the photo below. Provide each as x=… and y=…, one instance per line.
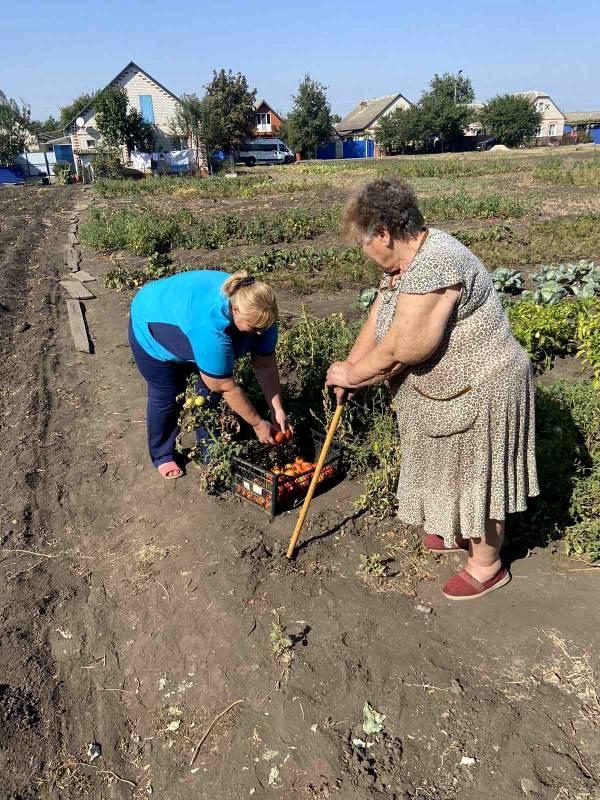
x=384, y=236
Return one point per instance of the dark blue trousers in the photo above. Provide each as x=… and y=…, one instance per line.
x=165, y=381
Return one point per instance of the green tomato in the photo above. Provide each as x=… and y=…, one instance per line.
x=200, y=401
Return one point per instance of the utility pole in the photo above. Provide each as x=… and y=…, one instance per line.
x=458, y=74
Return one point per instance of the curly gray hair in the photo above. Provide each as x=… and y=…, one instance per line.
x=387, y=203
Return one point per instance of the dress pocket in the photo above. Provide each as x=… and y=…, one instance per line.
x=444, y=416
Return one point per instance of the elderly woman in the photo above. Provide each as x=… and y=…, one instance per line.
x=463, y=387
x=204, y=320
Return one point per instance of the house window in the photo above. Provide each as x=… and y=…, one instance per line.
x=552, y=130
x=91, y=142
x=263, y=122
x=540, y=131
x=147, y=108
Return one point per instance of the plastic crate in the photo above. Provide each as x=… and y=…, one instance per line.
x=254, y=481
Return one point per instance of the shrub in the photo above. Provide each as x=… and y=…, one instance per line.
x=588, y=338
x=544, y=332
x=62, y=172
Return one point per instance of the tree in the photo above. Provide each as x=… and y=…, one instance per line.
x=49, y=125
x=398, y=129
x=228, y=111
x=511, y=118
x=120, y=126
x=71, y=111
x=309, y=123
x=444, y=110
x=14, y=124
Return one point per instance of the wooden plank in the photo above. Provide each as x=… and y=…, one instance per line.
x=84, y=276
x=73, y=259
x=77, y=290
x=77, y=323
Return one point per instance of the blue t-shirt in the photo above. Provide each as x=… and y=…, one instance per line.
x=188, y=318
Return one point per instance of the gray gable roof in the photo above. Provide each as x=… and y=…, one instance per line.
x=366, y=112
x=114, y=80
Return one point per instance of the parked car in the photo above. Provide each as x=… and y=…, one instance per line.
x=265, y=151
x=486, y=144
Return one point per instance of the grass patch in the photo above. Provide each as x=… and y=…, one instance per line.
x=302, y=270
x=562, y=239
x=490, y=205
x=559, y=172
x=409, y=167
x=244, y=186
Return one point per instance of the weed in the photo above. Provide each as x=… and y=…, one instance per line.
x=562, y=173
x=460, y=205
x=372, y=566
x=244, y=186
x=588, y=338
x=281, y=645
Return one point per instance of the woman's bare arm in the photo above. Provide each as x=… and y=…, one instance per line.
x=416, y=333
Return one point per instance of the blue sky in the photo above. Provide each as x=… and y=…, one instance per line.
x=53, y=51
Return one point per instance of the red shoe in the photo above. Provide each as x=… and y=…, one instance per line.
x=436, y=544
x=464, y=586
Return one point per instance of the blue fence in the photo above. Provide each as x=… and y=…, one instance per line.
x=326, y=150
x=593, y=130
x=359, y=149
x=11, y=175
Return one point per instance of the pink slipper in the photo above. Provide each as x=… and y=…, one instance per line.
x=464, y=586
x=170, y=466
x=436, y=544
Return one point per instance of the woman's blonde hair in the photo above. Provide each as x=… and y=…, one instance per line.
x=255, y=300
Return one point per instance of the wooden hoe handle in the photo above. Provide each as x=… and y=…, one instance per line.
x=315, y=478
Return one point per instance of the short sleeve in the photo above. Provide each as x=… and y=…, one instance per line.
x=265, y=345
x=431, y=274
x=213, y=352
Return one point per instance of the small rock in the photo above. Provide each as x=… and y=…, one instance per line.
x=423, y=609
x=455, y=686
x=467, y=761
x=531, y=787
x=94, y=751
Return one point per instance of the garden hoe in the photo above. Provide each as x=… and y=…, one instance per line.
x=315, y=478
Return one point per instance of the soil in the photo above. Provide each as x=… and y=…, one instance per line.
x=150, y=609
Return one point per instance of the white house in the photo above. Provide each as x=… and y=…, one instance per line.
x=553, y=119
x=361, y=123
x=154, y=101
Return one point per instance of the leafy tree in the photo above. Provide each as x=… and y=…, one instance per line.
x=120, y=126
x=228, y=111
x=309, y=123
x=49, y=125
x=398, y=129
x=71, y=111
x=444, y=110
x=335, y=118
x=14, y=123
x=511, y=118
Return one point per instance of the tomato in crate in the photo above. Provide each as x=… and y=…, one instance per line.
x=277, y=477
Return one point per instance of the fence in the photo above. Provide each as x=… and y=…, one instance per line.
x=36, y=165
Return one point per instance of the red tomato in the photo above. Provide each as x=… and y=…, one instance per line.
x=279, y=437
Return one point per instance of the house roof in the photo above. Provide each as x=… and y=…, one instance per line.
x=366, y=112
x=263, y=102
x=114, y=80
x=582, y=117
x=533, y=95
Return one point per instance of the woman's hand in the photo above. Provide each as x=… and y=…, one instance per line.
x=280, y=419
x=265, y=431
x=339, y=375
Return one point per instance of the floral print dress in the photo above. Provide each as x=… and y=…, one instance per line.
x=466, y=416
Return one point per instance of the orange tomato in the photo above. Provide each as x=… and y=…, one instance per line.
x=279, y=437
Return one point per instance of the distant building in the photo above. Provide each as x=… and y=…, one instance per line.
x=358, y=129
x=553, y=120
x=268, y=121
x=155, y=102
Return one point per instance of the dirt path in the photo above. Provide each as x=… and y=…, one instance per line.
x=157, y=614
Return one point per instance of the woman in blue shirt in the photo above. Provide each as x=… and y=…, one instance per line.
x=204, y=320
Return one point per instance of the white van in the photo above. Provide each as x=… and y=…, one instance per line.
x=265, y=151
